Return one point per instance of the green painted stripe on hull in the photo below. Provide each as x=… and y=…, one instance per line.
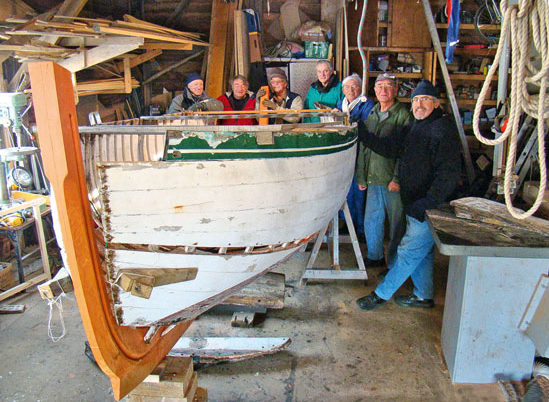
x=245, y=146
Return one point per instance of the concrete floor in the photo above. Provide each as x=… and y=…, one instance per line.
x=338, y=352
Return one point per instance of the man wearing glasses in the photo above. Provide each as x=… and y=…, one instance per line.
x=429, y=169
x=378, y=174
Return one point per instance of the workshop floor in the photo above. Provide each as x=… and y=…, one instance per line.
x=338, y=352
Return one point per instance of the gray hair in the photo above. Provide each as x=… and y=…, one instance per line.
x=353, y=77
x=329, y=63
x=239, y=77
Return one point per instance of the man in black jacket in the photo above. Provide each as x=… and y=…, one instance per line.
x=194, y=98
x=429, y=169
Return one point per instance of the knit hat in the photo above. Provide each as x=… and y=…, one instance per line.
x=354, y=77
x=387, y=77
x=193, y=77
x=277, y=72
x=425, y=88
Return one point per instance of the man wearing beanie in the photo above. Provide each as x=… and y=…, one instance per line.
x=429, y=169
x=379, y=175
x=194, y=97
x=280, y=98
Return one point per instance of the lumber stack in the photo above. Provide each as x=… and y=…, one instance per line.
x=173, y=379
x=78, y=43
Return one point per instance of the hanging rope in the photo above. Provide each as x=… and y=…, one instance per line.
x=528, y=23
x=359, y=44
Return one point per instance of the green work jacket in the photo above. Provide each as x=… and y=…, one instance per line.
x=372, y=168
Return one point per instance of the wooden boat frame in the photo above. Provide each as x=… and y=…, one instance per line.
x=127, y=355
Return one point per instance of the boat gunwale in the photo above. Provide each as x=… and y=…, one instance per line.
x=297, y=128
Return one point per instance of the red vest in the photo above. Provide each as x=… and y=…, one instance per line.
x=250, y=105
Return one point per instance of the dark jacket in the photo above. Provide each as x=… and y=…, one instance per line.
x=187, y=100
x=230, y=104
x=429, y=160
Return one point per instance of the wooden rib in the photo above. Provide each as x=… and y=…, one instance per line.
x=119, y=351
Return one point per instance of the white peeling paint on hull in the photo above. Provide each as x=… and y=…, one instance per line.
x=230, y=203
x=218, y=277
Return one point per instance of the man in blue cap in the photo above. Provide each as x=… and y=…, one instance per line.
x=194, y=97
x=429, y=169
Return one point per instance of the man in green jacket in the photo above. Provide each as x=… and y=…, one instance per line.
x=326, y=90
x=378, y=174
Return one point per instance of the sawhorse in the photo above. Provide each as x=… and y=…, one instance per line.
x=335, y=271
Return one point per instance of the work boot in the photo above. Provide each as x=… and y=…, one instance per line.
x=370, y=302
x=374, y=263
x=414, y=301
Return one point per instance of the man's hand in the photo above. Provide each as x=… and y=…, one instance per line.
x=393, y=186
x=269, y=103
x=198, y=107
x=361, y=187
x=260, y=92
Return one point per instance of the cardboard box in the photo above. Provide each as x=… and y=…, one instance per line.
x=6, y=276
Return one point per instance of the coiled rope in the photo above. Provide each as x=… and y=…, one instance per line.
x=528, y=23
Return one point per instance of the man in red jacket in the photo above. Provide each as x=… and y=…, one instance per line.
x=239, y=98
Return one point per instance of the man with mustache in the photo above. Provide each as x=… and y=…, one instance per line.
x=429, y=168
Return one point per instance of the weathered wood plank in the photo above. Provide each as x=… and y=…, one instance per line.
x=219, y=349
x=266, y=291
x=12, y=308
x=110, y=48
x=174, y=381
x=496, y=213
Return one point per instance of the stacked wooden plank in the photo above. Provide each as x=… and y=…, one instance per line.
x=84, y=42
x=173, y=379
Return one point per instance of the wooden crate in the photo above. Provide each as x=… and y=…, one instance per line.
x=6, y=276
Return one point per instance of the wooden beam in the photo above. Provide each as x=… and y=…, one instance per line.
x=127, y=75
x=15, y=8
x=145, y=34
x=167, y=46
x=120, y=352
x=69, y=8
x=170, y=68
x=183, y=4
x=218, y=41
x=138, y=59
x=112, y=47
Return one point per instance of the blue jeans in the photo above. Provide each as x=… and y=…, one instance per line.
x=356, y=199
x=414, y=258
x=379, y=200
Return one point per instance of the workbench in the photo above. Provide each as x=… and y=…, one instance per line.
x=14, y=234
x=493, y=273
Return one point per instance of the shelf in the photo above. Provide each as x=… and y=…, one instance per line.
x=487, y=102
x=471, y=77
x=470, y=27
x=385, y=49
x=396, y=74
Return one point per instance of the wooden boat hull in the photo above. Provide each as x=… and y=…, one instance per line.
x=258, y=211
x=187, y=226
